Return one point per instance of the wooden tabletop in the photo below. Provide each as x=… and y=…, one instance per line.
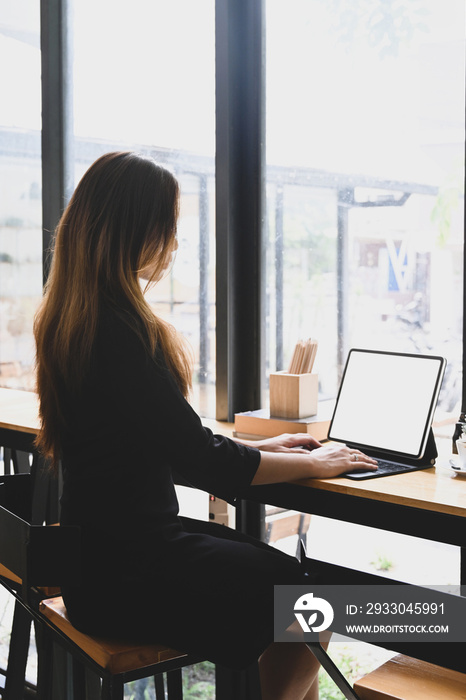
x=437, y=489
x=19, y=410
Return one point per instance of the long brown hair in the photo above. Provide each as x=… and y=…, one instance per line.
x=120, y=220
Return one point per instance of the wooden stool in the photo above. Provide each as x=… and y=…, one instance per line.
x=118, y=662
x=43, y=555
x=404, y=678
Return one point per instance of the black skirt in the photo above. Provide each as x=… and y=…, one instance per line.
x=209, y=592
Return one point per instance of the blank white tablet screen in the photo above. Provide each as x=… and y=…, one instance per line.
x=386, y=401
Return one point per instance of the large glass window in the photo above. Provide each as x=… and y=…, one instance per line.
x=20, y=190
x=365, y=168
x=144, y=80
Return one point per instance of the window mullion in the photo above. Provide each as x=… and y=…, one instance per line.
x=239, y=201
x=57, y=128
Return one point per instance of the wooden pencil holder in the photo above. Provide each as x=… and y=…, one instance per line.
x=293, y=395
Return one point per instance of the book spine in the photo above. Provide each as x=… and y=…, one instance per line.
x=271, y=428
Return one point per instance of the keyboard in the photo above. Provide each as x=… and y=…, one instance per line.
x=384, y=469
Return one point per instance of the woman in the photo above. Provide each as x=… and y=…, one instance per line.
x=112, y=381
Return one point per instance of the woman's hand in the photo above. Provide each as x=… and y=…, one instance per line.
x=288, y=459
x=335, y=459
x=296, y=442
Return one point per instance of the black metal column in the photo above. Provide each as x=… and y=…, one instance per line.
x=240, y=186
x=345, y=200
x=463, y=401
x=463, y=569
x=203, y=279
x=279, y=265
x=57, y=130
x=462, y=418
x=239, y=203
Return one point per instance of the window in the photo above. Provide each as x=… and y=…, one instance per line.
x=21, y=191
x=144, y=80
x=365, y=170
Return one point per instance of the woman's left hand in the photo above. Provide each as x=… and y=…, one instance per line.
x=288, y=442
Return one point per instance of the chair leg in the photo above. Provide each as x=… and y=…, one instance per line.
x=54, y=668
x=112, y=688
x=7, y=460
x=231, y=684
x=44, y=662
x=174, y=685
x=21, y=462
x=79, y=679
x=332, y=670
x=159, y=687
x=93, y=685
x=18, y=654
x=42, y=486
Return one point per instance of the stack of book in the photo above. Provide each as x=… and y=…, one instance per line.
x=256, y=425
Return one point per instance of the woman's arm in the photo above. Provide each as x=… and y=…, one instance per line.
x=298, y=442
x=294, y=457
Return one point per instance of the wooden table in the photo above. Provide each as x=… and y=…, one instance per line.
x=19, y=413
x=19, y=418
x=436, y=489
x=19, y=424
x=430, y=503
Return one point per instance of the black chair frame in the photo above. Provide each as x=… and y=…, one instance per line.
x=46, y=556
x=20, y=458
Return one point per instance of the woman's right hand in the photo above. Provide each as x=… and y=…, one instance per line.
x=323, y=462
x=336, y=458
